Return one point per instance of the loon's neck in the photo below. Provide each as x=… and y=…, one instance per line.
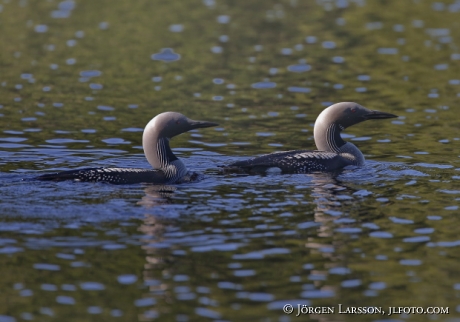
x=327, y=138
x=352, y=154
x=161, y=157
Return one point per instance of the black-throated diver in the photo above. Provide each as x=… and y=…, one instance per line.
x=333, y=152
x=167, y=168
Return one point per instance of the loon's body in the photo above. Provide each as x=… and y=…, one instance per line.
x=167, y=168
x=333, y=152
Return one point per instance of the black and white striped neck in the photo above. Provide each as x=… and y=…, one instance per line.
x=330, y=140
x=166, y=161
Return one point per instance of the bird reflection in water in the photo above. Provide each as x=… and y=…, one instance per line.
x=156, y=195
x=166, y=240
x=156, y=247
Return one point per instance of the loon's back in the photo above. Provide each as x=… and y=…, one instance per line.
x=110, y=175
x=298, y=161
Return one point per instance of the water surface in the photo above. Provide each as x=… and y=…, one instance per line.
x=79, y=81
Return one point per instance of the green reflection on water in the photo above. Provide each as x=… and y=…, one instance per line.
x=415, y=83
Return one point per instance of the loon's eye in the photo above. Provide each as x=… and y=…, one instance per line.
x=177, y=122
x=353, y=110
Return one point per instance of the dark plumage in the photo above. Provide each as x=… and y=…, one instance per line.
x=111, y=175
x=333, y=152
x=167, y=168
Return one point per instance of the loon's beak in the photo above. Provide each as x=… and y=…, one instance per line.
x=376, y=115
x=201, y=124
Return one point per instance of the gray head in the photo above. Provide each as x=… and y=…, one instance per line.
x=170, y=124
x=346, y=114
x=338, y=117
x=157, y=133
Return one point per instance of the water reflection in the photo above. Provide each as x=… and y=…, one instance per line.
x=157, y=195
x=309, y=229
x=227, y=247
x=300, y=68
x=64, y=9
x=166, y=55
x=264, y=85
x=170, y=244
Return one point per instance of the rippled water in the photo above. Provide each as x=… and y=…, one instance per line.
x=79, y=81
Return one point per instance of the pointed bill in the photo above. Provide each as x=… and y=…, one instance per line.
x=375, y=115
x=201, y=124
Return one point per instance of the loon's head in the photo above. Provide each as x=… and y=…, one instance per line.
x=346, y=114
x=338, y=117
x=159, y=130
x=170, y=124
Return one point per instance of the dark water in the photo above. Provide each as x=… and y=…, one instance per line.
x=79, y=81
